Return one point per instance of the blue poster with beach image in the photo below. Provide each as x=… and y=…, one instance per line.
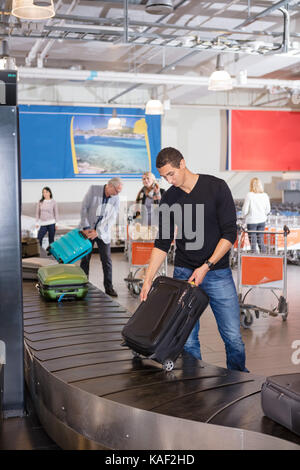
x=62, y=142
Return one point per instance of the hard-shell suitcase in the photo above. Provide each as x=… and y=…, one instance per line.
x=62, y=281
x=280, y=399
x=71, y=247
x=161, y=325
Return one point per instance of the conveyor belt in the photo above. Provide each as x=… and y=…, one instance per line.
x=91, y=393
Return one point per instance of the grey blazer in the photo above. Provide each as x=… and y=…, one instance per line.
x=92, y=208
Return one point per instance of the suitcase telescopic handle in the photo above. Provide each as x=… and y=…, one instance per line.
x=82, y=234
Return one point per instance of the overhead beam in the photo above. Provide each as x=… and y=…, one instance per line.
x=160, y=25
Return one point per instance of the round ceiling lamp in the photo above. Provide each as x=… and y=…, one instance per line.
x=220, y=80
x=33, y=9
x=159, y=7
x=154, y=107
x=114, y=123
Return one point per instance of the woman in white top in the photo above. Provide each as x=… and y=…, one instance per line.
x=46, y=215
x=255, y=209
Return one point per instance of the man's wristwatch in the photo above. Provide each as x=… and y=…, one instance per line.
x=209, y=264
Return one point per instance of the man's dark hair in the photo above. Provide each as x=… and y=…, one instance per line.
x=169, y=155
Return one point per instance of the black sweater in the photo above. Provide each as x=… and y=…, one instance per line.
x=219, y=221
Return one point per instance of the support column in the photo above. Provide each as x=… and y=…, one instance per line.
x=11, y=299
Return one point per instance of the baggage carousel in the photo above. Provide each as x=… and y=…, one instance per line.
x=91, y=393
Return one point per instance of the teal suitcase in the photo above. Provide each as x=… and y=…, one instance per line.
x=59, y=282
x=71, y=247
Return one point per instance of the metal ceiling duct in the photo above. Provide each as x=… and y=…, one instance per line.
x=159, y=7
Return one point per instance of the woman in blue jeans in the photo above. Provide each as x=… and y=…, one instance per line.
x=220, y=288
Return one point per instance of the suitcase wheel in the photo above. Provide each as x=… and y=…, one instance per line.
x=136, y=354
x=168, y=365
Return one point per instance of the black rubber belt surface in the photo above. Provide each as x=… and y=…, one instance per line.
x=79, y=341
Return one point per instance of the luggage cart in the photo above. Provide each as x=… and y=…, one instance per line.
x=139, y=252
x=264, y=271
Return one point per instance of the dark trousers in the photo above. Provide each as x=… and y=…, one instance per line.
x=257, y=237
x=104, y=253
x=43, y=230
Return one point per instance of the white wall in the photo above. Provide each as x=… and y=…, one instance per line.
x=198, y=133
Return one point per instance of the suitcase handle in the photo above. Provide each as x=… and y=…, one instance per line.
x=82, y=234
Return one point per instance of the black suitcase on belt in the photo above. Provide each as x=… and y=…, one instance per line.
x=280, y=399
x=161, y=325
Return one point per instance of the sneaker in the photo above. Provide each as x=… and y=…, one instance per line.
x=111, y=291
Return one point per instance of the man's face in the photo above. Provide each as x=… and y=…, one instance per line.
x=174, y=176
x=114, y=190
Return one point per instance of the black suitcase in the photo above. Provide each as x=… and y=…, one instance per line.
x=280, y=399
x=160, y=326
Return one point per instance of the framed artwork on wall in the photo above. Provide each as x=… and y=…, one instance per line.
x=62, y=142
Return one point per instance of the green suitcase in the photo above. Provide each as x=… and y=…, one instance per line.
x=62, y=281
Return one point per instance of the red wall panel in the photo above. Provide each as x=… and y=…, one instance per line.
x=265, y=140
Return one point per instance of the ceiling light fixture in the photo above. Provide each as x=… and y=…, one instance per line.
x=154, y=106
x=6, y=61
x=33, y=9
x=114, y=123
x=159, y=7
x=220, y=80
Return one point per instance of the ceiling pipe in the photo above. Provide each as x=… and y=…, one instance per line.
x=173, y=64
x=286, y=30
x=125, y=21
x=266, y=12
x=32, y=54
x=51, y=42
x=26, y=73
x=284, y=46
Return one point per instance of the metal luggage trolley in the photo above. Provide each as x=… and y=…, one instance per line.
x=140, y=245
x=264, y=271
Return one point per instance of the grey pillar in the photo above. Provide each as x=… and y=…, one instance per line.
x=11, y=300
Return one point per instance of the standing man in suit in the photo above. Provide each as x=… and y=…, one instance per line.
x=99, y=211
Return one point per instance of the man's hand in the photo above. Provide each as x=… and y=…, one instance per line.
x=199, y=274
x=145, y=289
x=91, y=234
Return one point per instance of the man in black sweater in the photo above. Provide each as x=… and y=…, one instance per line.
x=200, y=210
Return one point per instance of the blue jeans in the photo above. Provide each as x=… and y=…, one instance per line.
x=220, y=288
x=257, y=237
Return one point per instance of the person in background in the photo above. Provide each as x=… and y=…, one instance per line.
x=149, y=196
x=255, y=210
x=46, y=215
x=99, y=211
